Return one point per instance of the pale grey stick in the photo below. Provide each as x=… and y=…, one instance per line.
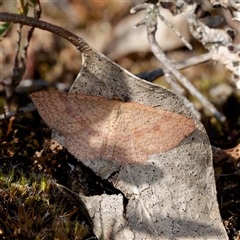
x=153, y=74
x=160, y=55
x=151, y=23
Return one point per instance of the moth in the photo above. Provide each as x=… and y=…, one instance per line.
x=97, y=128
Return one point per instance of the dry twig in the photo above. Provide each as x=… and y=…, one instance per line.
x=151, y=23
x=20, y=62
x=154, y=74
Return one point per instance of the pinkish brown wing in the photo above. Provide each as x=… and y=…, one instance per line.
x=146, y=131
x=81, y=119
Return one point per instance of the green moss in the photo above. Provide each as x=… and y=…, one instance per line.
x=32, y=207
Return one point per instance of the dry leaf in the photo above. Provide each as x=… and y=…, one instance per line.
x=173, y=194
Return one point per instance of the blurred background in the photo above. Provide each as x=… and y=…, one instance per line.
x=109, y=28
